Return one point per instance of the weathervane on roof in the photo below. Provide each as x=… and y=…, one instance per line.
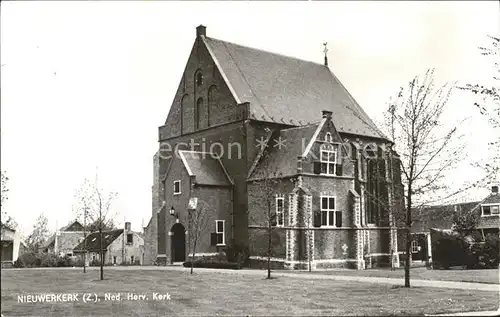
x=326, y=51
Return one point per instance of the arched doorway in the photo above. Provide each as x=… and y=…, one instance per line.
x=178, y=243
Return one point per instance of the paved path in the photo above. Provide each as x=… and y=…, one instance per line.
x=479, y=313
x=303, y=275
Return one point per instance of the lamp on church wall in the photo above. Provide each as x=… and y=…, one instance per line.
x=172, y=211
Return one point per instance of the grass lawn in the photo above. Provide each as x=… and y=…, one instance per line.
x=490, y=276
x=216, y=293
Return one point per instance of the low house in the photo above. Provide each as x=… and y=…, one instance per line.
x=10, y=244
x=442, y=217
x=489, y=214
x=121, y=246
x=65, y=239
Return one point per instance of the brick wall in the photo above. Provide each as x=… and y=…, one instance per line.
x=223, y=110
x=331, y=186
x=216, y=203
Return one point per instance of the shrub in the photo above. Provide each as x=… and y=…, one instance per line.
x=213, y=264
x=29, y=259
x=49, y=260
x=238, y=254
x=95, y=262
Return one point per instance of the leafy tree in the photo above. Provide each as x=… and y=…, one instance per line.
x=39, y=235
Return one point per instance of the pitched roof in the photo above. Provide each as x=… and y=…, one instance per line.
x=283, y=160
x=288, y=90
x=70, y=225
x=438, y=217
x=66, y=240
x=492, y=221
x=493, y=198
x=93, y=241
x=206, y=167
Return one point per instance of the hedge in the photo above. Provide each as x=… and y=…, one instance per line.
x=211, y=264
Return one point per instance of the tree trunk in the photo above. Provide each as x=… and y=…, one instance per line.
x=269, y=251
x=192, y=259
x=408, y=237
x=102, y=254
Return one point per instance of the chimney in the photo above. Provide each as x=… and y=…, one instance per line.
x=127, y=226
x=201, y=30
x=494, y=189
x=326, y=114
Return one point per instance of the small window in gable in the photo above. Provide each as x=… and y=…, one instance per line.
x=328, y=137
x=199, y=78
x=177, y=187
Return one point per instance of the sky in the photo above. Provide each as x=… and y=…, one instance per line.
x=85, y=85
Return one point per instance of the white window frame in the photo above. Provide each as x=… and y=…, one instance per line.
x=327, y=210
x=491, y=206
x=328, y=161
x=177, y=182
x=280, y=215
x=414, y=246
x=223, y=232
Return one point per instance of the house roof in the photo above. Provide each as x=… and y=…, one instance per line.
x=438, y=217
x=74, y=224
x=283, y=160
x=493, y=198
x=66, y=240
x=288, y=90
x=492, y=221
x=93, y=241
x=206, y=167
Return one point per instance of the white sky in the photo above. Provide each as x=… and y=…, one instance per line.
x=87, y=84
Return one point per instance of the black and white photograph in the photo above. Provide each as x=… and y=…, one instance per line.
x=250, y=158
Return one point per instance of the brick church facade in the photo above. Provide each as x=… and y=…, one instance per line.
x=251, y=134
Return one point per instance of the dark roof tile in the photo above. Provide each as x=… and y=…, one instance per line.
x=93, y=241
x=207, y=169
x=286, y=89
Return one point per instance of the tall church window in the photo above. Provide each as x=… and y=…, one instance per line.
x=199, y=78
x=212, y=103
x=199, y=113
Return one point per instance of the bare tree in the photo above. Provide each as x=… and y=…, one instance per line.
x=267, y=181
x=427, y=148
x=489, y=106
x=5, y=189
x=39, y=234
x=197, y=225
x=7, y=220
x=93, y=204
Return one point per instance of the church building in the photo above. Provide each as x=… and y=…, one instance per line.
x=256, y=139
